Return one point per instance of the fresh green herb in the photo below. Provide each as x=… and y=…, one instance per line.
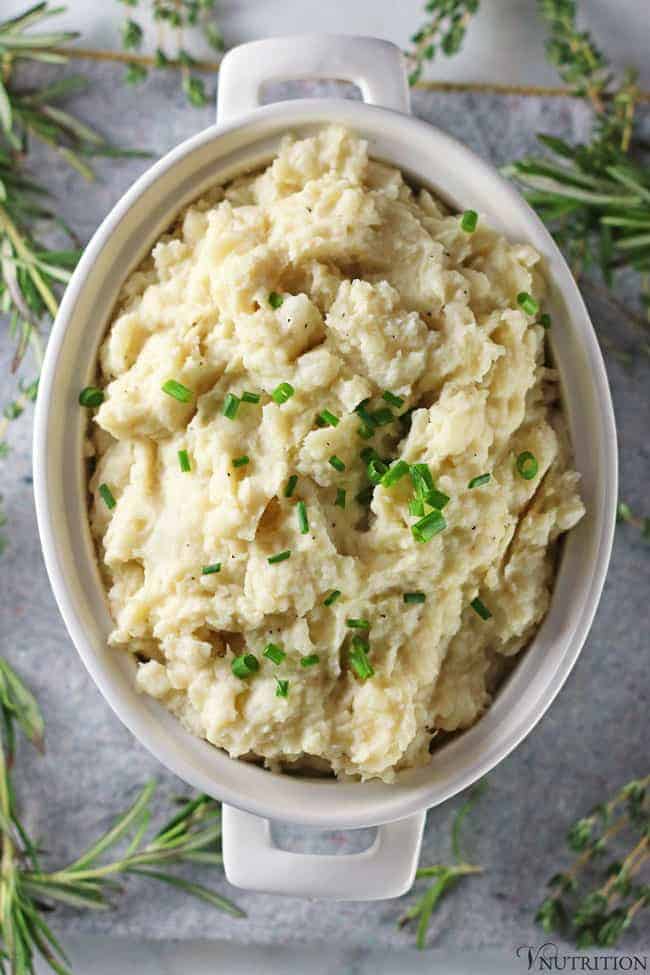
x=279, y=557
x=383, y=416
x=303, y=521
x=210, y=570
x=245, y=665
x=545, y=320
x=358, y=658
x=624, y=514
x=479, y=481
x=177, y=391
x=527, y=466
x=282, y=393
x=282, y=688
x=328, y=419
x=241, y=461
x=337, y=463
x=421, y=479
x=275, y=299
x=437, y=499
x=391, y=398
x=333, y=596
x=107, y=496
x=395, y=473
x=291, y=485
x=527, y=303
x=184, y=461
x=358, y=624
x=480, y=608
x=432, y=524
x=340, y=498
x=412, y=598
x=247, y=397
x=469, y=221
x=91, y=396
x=275, y=653
x=310, y=660
x=376, y=469
x=442, y=32
x=368, y=425
x=416, y=507
x=230, y=406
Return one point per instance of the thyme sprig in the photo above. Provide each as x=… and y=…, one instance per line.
x=592, y=901
x=444, y=876
x=443, y=31
x=29, y=892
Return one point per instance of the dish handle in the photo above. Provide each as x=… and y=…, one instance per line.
x=386, y=869
x=377, y=67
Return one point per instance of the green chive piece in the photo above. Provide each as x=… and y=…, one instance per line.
x=340, y=498
x=282, y=393
x=279, y=557
x=241, y=461
x=394, y=473
x=383, y=417
x=328, y=419
x=358, y=658
x=527, y=303
x=367, y=428
x=331, y=599
x=309, y=660
x=416, y=507
x=368, y=453
x=366, y=431
x=247, y=397
x=421, y=479
x=273, y=652
x=468, y=221
x=184, y=461
x=210, y=570
x=545, y=320
x=275, y=299
x=411, y=598
x=91, y=396
x=437, y=499
x=291, y=485
x=107, y=496
x=177, y=391
x=376, y=470
x=358, y=624
x=424, y=529
x=282, y=689
x=364, y=497
x=245, y=665
x=392, y=399
x=230, y=406
x=527, y=465
x=337, y=463
x=303, y=521
x=479, y=481
x=481, y=609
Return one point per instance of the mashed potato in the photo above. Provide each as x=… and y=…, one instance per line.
x=282, y=308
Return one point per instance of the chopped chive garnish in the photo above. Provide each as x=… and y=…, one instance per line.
x=392, y=399
x=368, y=453
x=230, y=406
x=279, y=557
x=545, y=320
x=359, y=659
x=337, y=463
x=468, y=221
x=107, y=496
x=282, y=688
x=328, y=418
x=358, y=624
x=479, y=481
x=416, y=507
x=376, y=470
x=424, y=529
x=331, y=599
x=210, y=570
x=411, y=598
x=437, y=499
x=366, y=431
x=291, y=485
x=367, y=428
x=527, y=303
x=383, y=416
x=309, y=660
x=275, y=653
x=481, y=609
x=364, y=497
x=245, y=665
x=275, y=299
x=91, y=396
x=527, y=465
x=247, y=397
x=422, y=479
x=184, y=461
x=282, y=393
x=177, y=391
x=303, y=521
x=340, y=498
x=394, y=473
x=241, y=461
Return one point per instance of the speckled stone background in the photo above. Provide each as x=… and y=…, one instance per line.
x=594, y=738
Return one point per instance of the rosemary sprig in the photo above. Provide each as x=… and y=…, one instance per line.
x=596, y=907
x=444, y=876
x=442, y=31
x=28, y=891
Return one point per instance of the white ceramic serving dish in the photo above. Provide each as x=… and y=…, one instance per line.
x=247, y=135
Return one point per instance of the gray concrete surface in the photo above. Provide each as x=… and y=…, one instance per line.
x=594, y=738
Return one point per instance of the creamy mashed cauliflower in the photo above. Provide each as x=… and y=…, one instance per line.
x=296, y=334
